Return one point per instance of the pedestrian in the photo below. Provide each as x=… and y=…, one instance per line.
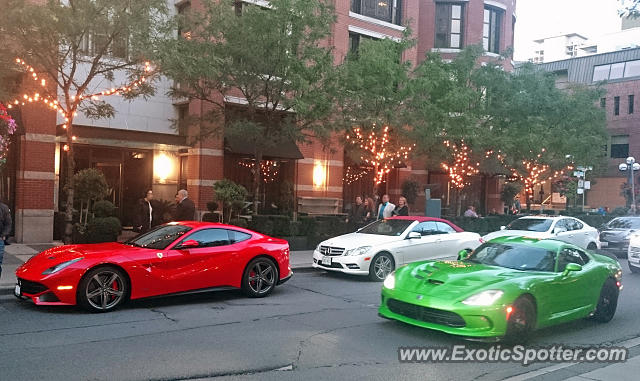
x=185, y=208
x=632, y=210
x=143, y=216
x=5, y=228
x=402, y=209
x=518, y=206
x=385, y=210
x=369, y=207
x=471, y=212
x=357, y=213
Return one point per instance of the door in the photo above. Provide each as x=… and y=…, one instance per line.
x=576, y=282
x=564, y=231
x=424, y=248
x=448, y=240
x=205, y=264
x=581, y=233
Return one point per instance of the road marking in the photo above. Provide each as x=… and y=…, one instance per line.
x=542, y=371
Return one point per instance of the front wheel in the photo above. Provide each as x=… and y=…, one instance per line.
x=608, y=302
x=520, y=321
x=103, y=289
x=381, y=266
x=259, y=278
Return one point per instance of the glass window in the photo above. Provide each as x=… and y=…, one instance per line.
x=426, y=228
x=449, y=25
x=620, y=146
x=616, y=105
x=387, y=227
x=160, y=237
x=601, y=73
x=617, y=71
x=514, y=256
x=209, y=237
x=631, y=103
x=577, y=225
x=531, y=224
x=632, y=69
x=385, y=10
x=445, y=228
x=603, y=102
x=236, y=236
x=567, y=256
x=492, y=29
x=624, y=223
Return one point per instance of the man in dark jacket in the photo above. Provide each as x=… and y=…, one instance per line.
x=5, y=228
x=185, y=208
x=144, y=213
x=357, y=214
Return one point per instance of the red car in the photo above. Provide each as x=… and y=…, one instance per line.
x=179, y=257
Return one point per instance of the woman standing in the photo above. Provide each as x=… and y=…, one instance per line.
x=144, y=213
x=370, y=210
x=402, y=209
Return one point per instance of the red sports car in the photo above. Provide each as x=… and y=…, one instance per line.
x=179, y=257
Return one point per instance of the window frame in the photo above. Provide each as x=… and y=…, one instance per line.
x=190, y=237
x=462, y=19
x=631, y=100
x=395, y=10
x=616, y=105
x=617, y=148
x=494, y=29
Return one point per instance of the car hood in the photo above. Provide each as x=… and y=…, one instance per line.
x=452, y=280
x=353, y=240
x=515, y=233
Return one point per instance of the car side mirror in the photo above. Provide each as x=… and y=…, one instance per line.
x=414, y=235
x=463, y=254
x=503, y=227
x=571, y=267
x=189, y=244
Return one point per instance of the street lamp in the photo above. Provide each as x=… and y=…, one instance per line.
x=631, y=166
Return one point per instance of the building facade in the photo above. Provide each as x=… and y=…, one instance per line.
x=144, y=145
x=620, y=72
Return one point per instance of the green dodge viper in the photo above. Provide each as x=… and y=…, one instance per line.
x=504, y=289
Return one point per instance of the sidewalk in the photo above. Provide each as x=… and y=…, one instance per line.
x=16, y=254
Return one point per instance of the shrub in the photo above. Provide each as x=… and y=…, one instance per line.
x=104, y=209
x=211, y=217
x=240, y=222
x=90, y=184
x=212, y=206
x=105, y=229
x=231, y=195
x=410, y=189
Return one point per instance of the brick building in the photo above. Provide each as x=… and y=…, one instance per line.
x=621, y=72
x=139, y=147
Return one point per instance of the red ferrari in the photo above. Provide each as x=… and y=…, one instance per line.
x=179, y=257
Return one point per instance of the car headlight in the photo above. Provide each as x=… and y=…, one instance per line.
x=60, y=266
x=390, y=281
x=358, y=250
x=484, y=298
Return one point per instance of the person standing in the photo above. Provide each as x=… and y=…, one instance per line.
x=5, y=228
x=402, y=209
x=357, y=214
x=144, y=213
x=185, y=208
x=385, y=210
x=471, y=212
x=370, y=210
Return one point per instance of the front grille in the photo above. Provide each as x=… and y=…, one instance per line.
x=29, y=287
x=331, y=251
x=634, y=251
x=425, y=314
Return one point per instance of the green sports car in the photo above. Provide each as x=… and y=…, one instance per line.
x=506, y=288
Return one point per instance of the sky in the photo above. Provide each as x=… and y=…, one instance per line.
x=544, y=18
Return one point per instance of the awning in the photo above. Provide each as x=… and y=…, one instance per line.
x=287, y=149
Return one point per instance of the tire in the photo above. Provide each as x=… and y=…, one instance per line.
x=381, y=266
x=259, y=278
x=521, y=321
x=592, y=246
x=103, y=289
x=607, y=302
x=634, y=269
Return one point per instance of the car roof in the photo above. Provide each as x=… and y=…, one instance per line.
x=202, y=224
x=548, y=244
x=427, y=219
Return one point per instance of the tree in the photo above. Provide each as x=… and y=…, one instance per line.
x=373, y=85
x=69, y=48
x=231, y=195
x=7, y=127
x=630, y=8
x=274, y=57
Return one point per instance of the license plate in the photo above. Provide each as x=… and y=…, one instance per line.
x=604, y=244
x=326, y=261
x=17, y=290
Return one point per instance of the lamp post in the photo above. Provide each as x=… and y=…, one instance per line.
x=630, y=166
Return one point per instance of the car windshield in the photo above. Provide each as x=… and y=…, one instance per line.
x=530, y=224
x=514, y=256
x=160, y=237
x=387, y=227
x=624, y=223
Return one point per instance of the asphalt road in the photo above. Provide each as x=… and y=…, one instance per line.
x=316, y=326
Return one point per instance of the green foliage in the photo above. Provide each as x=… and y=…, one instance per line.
x=240, y=222
x=104, y=208
x=212, y=206
x=410, y=189
x=231, y=195
x=90, y=184
x=211, y=217
x=509, y=192
x=105, y=229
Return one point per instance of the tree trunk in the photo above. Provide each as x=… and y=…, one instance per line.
x=69, y=186
x=257, y=178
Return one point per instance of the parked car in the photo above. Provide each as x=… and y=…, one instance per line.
x=615, y=235
x=179, y=257
x=505, y=289
x=562, y=228
x=382, y=246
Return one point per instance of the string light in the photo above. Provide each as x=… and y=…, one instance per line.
x=536, y=173
x=462, y=167
x=351, y=174
x=269, y=168
x=378, y=151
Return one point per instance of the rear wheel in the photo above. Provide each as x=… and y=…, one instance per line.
x=608, y=302
x=381, y=266
x=520, y=321
x=259, y=278
x=103, y=289
x=592, y=246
